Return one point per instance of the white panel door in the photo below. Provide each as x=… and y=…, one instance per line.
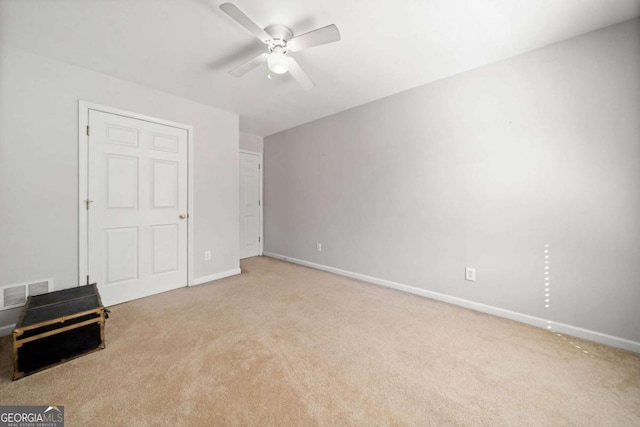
x=250, y=221
x=137, y=217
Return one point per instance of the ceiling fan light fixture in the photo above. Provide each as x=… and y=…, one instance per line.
x=278, y=62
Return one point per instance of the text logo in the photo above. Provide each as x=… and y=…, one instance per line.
x=32, y=416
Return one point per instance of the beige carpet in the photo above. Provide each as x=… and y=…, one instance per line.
x=286, y=345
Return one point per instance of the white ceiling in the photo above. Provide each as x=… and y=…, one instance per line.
x=186, y=47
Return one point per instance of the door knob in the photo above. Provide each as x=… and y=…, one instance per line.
x=182, y=216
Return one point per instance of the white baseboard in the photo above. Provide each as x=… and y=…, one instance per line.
x=500, y=312
x=6, y=330
x=217, y=276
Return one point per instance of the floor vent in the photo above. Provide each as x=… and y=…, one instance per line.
x=13, y=296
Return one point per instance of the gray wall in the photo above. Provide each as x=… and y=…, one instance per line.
x=39, y=167
x=482, y=169
x=251, y=142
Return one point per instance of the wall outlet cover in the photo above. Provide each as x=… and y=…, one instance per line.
x=470, y=274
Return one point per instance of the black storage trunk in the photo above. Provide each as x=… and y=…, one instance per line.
x=56, y=327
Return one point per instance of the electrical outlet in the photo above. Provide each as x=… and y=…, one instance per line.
x=470, y=274
x=207, y=255
x=319, y=247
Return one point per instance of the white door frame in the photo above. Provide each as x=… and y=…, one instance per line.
x=83, y=169
x=260, y=233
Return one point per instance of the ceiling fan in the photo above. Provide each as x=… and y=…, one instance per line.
x=280, y=41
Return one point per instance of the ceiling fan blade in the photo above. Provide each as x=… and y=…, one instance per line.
x=242, y=69
x=242, y=19
x=300, y=75
x=324, y=35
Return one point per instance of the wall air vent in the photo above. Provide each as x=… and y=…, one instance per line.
x=39, y=288
x=13, y=296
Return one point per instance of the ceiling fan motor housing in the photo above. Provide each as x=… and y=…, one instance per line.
x=280, y=35
x=279, y=32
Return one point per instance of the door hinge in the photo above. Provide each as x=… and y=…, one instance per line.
x=88, y=202
x=259, y=202
x=87, y=130
x=258, y=165
x=87, y=279
x=259, y=239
